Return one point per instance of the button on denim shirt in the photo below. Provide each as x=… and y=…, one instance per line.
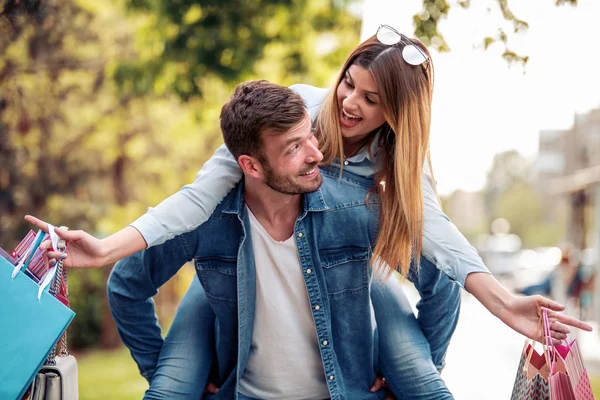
x=335, y=233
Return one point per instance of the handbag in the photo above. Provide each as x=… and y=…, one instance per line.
x=556, y=374
x=58, y=379
x=32, y=322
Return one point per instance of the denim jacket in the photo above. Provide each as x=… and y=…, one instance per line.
x=443, y=244
x=335, y=233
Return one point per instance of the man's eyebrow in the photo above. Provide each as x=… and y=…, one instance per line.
x=297, y=139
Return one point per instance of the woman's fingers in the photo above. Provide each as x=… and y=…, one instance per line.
x=549, y=304
x=46, y=244
x=378, y=384
x=37, y=222
x=211, y=388
x=570, y=321
x=558, y=335
x=57, y=255
x=559, y=328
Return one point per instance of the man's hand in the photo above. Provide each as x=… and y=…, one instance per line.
x=524, y=313
x=84, y=250
x=381, y=383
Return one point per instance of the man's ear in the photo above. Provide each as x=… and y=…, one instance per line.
x=250, y=166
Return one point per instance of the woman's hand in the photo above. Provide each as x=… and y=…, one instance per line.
x=84, y=250
x=524, y=313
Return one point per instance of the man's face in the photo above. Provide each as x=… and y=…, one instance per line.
x=291, y=160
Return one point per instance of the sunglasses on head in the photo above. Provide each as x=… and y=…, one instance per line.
x=411, y=53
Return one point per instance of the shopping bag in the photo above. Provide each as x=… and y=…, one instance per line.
x=531, y=382
x=58, y=378
x=555, y=374
x=32, y=321
x=575, y=382
x=558, y=380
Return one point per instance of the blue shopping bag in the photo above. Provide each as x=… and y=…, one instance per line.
x=29, y=329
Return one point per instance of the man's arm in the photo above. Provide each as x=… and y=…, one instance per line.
x=132, y=284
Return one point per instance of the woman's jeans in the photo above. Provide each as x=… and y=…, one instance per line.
x=407, y=360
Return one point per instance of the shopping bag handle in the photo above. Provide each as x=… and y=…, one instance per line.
x=531, y=343
x=551, y=351
x=58, y=245
x=24, y=262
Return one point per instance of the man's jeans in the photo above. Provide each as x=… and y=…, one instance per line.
x=405, y=355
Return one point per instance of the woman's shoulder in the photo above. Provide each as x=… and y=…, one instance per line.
x=313, y=96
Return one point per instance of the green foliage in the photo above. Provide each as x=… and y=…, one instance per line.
x=434, y=11
x=510, y=193
x=86, y=293
x=92, y=127
x=426, y=23
x=508, y=168
x=184, y=42
x=523, y=207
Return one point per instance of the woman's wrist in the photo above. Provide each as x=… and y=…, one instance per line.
x=120, y=245
x=485, y=288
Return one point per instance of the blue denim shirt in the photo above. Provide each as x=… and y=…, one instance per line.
x=443, y=245
x=335, y=233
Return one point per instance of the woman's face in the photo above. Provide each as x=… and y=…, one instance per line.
x=359, y=104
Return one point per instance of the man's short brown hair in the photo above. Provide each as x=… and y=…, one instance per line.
x=258, y=107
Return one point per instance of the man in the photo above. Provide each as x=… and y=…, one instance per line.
x=285, y=267
x=284, y=262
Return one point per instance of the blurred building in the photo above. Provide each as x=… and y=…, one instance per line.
x=568, y=167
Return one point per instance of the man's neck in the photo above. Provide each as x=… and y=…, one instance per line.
x=276, y=212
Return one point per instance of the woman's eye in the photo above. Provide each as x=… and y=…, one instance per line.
x=370, y=101
x=348, y=84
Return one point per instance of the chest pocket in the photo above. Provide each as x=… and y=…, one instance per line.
x=345, y=270
x=219, y=278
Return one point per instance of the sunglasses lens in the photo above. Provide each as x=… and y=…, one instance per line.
x=413, y=56
x=388, y=37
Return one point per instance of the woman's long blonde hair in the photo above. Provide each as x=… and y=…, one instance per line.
x=405, y=93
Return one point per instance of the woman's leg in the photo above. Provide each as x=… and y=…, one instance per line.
x=186, y=357
x=404, y=353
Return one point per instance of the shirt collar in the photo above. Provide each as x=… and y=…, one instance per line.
x=364, y=152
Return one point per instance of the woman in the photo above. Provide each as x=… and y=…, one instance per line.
x=377, y=122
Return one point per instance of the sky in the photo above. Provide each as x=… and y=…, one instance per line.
x=483, y=106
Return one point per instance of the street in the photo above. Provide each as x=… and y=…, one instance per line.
x=483, y=355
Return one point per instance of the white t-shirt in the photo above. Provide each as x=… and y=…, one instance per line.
x=284, y=359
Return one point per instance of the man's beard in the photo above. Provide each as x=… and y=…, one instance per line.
x=286, y=185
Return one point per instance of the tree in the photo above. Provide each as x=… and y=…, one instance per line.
x=508, y=169
x=510, y=192
x=83, y=147
x=189, y=40
x=434, y=11
x=77, y=151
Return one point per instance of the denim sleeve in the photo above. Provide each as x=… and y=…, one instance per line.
x=132, y=284
x=438, y=308
x=443, y=244
x=194, y=203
